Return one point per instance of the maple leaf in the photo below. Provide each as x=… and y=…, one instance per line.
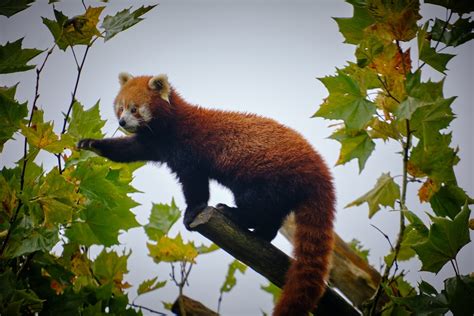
x=13, y=58
x=353, y=146
x=385, y=193
x=123, y=20
x=446, y=237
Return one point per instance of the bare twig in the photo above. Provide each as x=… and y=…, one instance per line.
x=384, y=235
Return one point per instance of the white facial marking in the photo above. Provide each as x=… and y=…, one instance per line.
x=145, y=112
x=131, y=122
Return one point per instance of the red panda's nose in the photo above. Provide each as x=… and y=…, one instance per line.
x=122, y=122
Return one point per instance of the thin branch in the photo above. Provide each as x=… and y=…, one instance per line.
x=73, y=97
x=385, y=88
x=146, y=308
x=25, y=150
x=388, y=267
x=75, y=57
x=84, y=5
x=384, y=235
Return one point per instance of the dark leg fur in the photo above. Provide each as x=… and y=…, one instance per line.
x=122, y=149
x=256, y=209
x=196, y=193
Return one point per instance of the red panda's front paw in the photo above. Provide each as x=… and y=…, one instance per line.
x=84, y=143
x=87, y=144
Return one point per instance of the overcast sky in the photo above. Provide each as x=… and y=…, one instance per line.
x=251, y=56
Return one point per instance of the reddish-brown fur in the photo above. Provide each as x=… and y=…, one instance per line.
x=244, y=152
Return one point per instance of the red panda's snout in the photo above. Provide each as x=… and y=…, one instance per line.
x=132, y=117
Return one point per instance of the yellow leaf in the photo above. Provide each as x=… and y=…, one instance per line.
x=172, y=250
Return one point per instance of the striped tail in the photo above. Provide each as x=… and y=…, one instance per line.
x=305, y=280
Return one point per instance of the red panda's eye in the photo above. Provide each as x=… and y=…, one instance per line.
x=133, y=110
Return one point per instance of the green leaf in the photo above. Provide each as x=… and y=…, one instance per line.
x=12, y=7
x=346, y=102
x=445, y=239
x=57, y=198
x=416, y=223
x=172, y=250
x=428, y=120
x=272, y=289
x=424, y=305
x=12, y=114
x=426, y=91
x=459, y=291
x=202, y=250
x=353, y=146
x=13, y=58
x=353, y=28
x=437, y=160
x=79, y=30
x=455, y=5
x=382, y=129
x=26, y=239
x=42, y=136
x=162, y=218
x=150, y=285
x=15, y=299
x=411, y=237
x=358, y=248
x=453, y=34
x=408, y=107
x=429, y=55
x=109, y=267
x=448, y=201
x=230, y=279
x=107, y=210
x=85, y=123
x=123, y=20
x=385, y=192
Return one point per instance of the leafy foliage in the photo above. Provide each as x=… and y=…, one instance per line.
x=357, y=246
x=12, y=7
x=83, y=201
x=230, y=280
x=385, y=193
x=79, y=30
x=12, y=114
x=13, y=58
x=416, y=114
x=123, y=20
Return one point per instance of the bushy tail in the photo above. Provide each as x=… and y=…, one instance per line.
x=313, y=244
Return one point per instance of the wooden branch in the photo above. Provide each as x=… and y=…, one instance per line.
x=192, y=308
x=261, y=256
x=353, y=276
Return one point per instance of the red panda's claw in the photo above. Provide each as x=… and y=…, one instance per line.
x=85, y=143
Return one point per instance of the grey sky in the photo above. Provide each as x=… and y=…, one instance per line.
x=251, y=56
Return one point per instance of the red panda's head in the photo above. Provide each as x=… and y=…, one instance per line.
x=140, y=100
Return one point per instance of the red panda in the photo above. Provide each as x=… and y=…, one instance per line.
x=270, y=169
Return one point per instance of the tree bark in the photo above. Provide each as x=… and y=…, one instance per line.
x=352, y=275
x=192, y=308
x=261, y=256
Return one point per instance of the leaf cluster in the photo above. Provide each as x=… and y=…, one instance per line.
x=382, y=97
x=83, y=201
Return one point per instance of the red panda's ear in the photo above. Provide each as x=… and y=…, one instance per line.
x=124, y=77
x=160, y=84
